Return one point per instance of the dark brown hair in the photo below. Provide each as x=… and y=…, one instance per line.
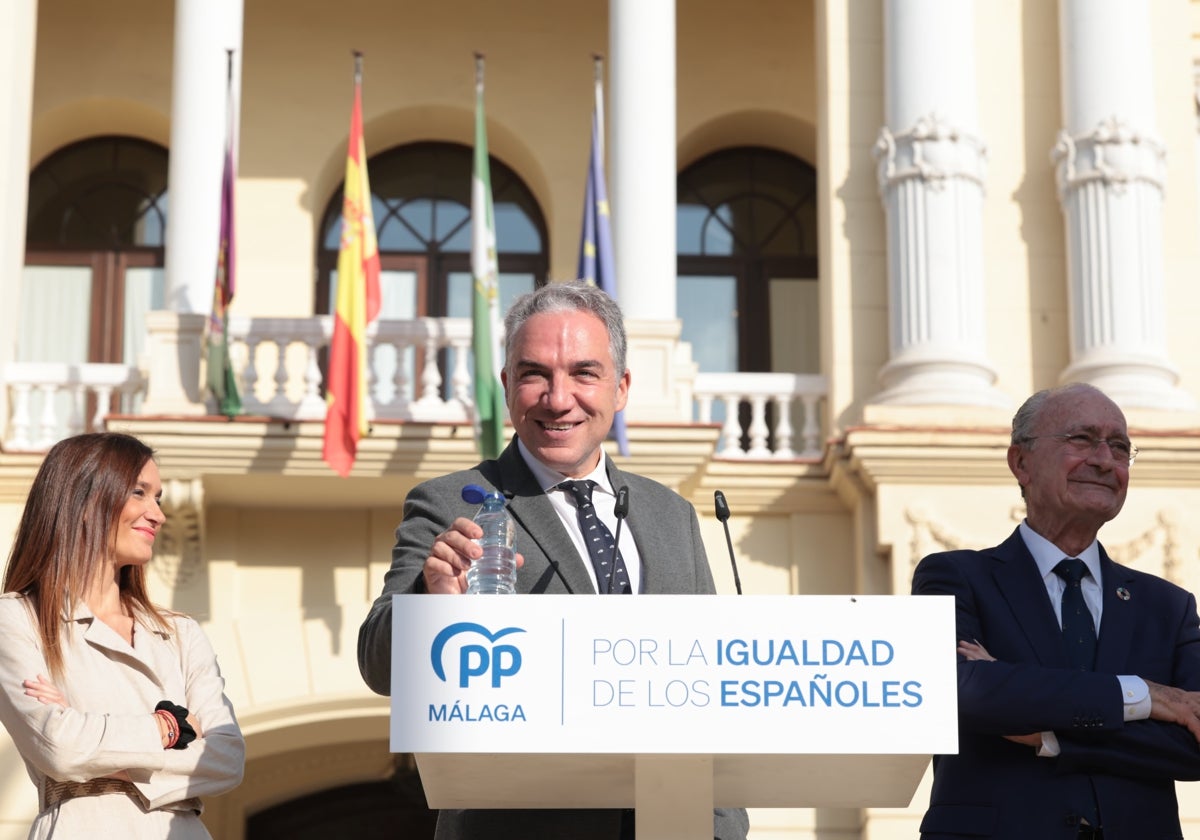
x=67, y=533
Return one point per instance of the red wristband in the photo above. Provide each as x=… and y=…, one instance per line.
x=172, y=729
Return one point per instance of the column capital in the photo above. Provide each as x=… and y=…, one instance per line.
x=1114, y=153
x=934, y=150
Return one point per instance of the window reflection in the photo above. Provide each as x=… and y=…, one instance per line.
x=421, y=195
x=747, y=240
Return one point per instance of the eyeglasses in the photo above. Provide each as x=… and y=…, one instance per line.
x=1083, y=444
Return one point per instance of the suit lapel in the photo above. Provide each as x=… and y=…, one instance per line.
x=98, y=635
x=1020, y=585
x=1117, y=619
x=532, y=510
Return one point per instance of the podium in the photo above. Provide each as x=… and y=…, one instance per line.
x=673, y=704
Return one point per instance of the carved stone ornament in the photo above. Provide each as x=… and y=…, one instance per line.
x=1113, y=153
x=178, y=552
x=933, y=151
x=1155, y=550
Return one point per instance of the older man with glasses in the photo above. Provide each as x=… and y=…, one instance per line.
x=1078, y=679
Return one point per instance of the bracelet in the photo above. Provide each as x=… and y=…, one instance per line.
x=184, y=733
x=172, y=727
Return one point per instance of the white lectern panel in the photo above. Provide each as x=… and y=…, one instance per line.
x=541, y=701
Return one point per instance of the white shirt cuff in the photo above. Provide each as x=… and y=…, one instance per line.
x=1049, y=747
x=1136, y=696
x=1134, y=693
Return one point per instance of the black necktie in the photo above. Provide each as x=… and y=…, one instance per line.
x=611, y=577
x=1078, y=629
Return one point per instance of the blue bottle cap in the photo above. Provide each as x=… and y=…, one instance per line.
x=473, y=494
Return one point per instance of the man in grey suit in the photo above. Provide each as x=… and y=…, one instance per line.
x=564, y=379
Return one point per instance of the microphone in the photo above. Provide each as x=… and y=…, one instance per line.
x=723, y=514
x=620, y=510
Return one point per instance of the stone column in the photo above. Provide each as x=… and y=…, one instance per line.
x=1111, y=170
x=642, y=155
x=931, y=171
x=18, y=37
x=642, y=172
x=204, y=30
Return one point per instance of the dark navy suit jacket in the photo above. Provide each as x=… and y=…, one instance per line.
x=999, y=789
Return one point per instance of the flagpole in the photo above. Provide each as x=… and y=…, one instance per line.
x=598, y=62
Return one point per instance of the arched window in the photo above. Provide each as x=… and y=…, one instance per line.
x=746, y=223
x=421, y=196
x=94, y=251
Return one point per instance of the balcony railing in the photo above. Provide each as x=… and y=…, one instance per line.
x=53, y=400
x=419, y=372
x=280, y=360
x=768, y=431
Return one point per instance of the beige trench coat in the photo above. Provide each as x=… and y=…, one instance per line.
x=111, y=689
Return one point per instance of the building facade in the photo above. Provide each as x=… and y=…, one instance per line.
x=851, y=237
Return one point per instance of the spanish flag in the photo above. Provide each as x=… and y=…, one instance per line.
x=358, y=301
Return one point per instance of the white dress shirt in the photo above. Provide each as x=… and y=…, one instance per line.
x=1134, y=691
x=604, y=499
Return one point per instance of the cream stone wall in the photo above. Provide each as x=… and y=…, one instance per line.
x=285, y=560
x=853, y=257
x=1176, y=103
x=1024, y=262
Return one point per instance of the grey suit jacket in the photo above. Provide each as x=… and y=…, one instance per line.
x=667, y=533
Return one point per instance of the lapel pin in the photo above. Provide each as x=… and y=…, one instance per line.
x=1122, y=593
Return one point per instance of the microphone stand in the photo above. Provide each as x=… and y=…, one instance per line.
x=723, y=514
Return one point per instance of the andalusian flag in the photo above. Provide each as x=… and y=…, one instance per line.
x=485, y=305
x=358, y=301
x=221, y=381
x=596, y=264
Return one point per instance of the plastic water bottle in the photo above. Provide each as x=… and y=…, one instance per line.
x=495, y=573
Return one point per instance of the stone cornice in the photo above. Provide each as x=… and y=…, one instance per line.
x=879, y=455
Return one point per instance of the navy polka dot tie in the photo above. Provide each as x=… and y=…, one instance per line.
x=1078, y=628
x=611, y=577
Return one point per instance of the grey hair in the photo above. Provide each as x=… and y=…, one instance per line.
x=575, y=296
x=1025, y=420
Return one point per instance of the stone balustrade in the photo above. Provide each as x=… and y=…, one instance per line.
x=420, y=371
x=757, y=411
x=53, y=400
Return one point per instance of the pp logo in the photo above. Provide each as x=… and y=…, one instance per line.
x=477, y=658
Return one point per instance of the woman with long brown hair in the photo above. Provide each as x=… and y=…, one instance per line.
x=116, y=705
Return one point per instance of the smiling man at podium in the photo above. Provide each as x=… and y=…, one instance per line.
x=564, y=380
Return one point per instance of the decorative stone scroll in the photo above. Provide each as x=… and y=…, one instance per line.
x=1114, y=153
x=934, y=151
x=178, y=555
x=1155, y=550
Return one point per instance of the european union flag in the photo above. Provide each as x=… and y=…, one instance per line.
x=595, y=245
